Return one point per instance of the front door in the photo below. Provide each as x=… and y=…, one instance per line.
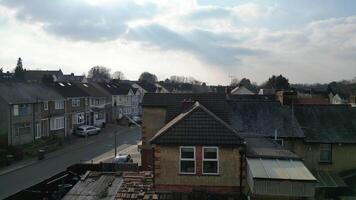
x=44, y=127
x=38, y=134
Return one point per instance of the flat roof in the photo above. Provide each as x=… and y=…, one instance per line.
x=279, y=169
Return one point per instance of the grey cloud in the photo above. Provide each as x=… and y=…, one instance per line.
x=216, y=49
x=78, y=20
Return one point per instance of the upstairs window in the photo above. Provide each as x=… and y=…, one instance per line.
x=325, y=153
x=210, y=160
x=75, y=102
x=187, y=160
x=21, y=110
x=59, y=105
x=45, y=105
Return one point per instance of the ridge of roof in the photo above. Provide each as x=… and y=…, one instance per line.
x=186, y=114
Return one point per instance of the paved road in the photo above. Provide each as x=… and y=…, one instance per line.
x=87, y=149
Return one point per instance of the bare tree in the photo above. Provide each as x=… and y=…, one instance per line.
x=118, y=75
x=99, y=73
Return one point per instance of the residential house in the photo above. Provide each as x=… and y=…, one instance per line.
x=242, y=90
x=265, y=91
x=197, y=150
x=337, y=98
x=159, y=109
x=37, y=75
x=72, y=78
x=76, y=104
x=29, y=112
x=146, y=87
x=330, y=132
x=96, y=101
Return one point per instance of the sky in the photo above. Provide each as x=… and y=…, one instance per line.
x=210, y=40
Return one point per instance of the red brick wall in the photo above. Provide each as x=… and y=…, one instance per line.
x=198, y=160
x=147, y=159
x=187, y=188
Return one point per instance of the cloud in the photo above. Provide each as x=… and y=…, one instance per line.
x=218, y=49
x=80, y=20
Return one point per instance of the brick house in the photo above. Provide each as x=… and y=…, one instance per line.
x=29, y=112
x=197, y=150
x=96, y=101
x=76, y=104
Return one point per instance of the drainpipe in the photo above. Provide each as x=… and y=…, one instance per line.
x=242, y=157
x=10, y=128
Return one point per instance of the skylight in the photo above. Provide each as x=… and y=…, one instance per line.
x=61, y=84
x=69, y=83
x=85, y=85
x=108, y=85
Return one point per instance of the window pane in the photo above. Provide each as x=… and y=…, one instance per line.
x=210, y=167
x=210, y=153
x=325, y=156
x=187, y=166
x=187, y=153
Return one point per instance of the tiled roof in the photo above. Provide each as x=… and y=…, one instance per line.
x=216, y=103
x=37, y=75
x=149, y=87
x=70, y=78
x=264, y=118
x=261, y=147
x=327, y=123
x=197, y=126
x=115, y=89
x=67, y=89
x=20, y=92
x=89, y=89
x=139, y=185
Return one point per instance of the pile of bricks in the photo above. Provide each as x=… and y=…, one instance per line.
x=137, y=185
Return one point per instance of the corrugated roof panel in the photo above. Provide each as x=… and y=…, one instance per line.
x=279, y=169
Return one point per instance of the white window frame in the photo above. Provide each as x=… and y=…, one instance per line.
x=45, y=105
x=77, y=116
x=59, y=104
x=329, y=149
x=38, y=133
x=76, y=102
x=209, y=159
x=16, y=110
x=56, y=123
x=187, y=159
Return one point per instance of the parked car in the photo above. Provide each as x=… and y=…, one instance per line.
x=120, y=159
x=87, y=130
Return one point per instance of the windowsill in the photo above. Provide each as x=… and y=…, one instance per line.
x=204, y=174
x=325, y=162
x=186, y=174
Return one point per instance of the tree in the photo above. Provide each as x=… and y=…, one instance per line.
x=234, y=82
x=19, y=71
x=118, y=75
x=99, y=73
x=1, y=71
x=147, y=77
x=277, y=82
x=47, y=78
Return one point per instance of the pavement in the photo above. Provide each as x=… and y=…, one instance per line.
x=98, y=148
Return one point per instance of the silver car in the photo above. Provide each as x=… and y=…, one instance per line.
x=121, y=159
x=87, y=130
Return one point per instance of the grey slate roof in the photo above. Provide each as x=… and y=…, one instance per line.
x=20, y=92
x=197, y=126
x=90, y=89
x=37, y=75
x=67, y=89
x=261, y=147
x=216, y=103
x=263, y=118
x=327, y=123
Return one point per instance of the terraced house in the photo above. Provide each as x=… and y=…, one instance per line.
x=75, y=104
x=30, y=111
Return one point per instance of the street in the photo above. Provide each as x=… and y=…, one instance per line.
x=94, y=148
